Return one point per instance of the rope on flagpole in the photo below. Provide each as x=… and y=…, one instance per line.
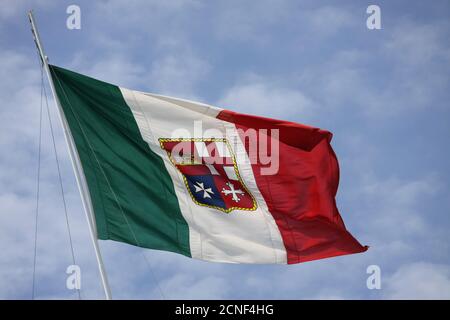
x=74, y=157
x=61, y=185
x=33, y=290
x=44, y=95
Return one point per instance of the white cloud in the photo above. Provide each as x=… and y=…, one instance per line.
x=328, y=20
x=385, y=211
x=12, y=9
x=170, y=74
x=178, y=74
x=416, y=60
x=416, y=44
x=182, y=286
x=142, y=20
x=115, y=69
x=264, y=97
x=141, y=10
x=234, y=23
x=420, y=280
x=393, y=204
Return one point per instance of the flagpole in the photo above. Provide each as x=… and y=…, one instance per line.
x=76, y=163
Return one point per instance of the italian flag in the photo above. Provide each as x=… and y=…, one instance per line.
x=181, y=176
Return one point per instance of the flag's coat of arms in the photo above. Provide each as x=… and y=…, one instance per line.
x=210, y=173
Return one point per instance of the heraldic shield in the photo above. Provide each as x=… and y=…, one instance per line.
x=210, y=173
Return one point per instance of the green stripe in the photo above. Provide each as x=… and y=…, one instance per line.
x=130, y=188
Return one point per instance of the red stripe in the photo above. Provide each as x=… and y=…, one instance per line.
x=301, y=196
x=194, y=170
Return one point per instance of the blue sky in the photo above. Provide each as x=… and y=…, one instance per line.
x=383, y=93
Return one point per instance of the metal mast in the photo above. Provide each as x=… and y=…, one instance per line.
x=76, y=163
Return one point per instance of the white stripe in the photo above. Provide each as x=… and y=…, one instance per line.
x=212, y=169
x=238, y=236
x=246, y=173
x=231, y=174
